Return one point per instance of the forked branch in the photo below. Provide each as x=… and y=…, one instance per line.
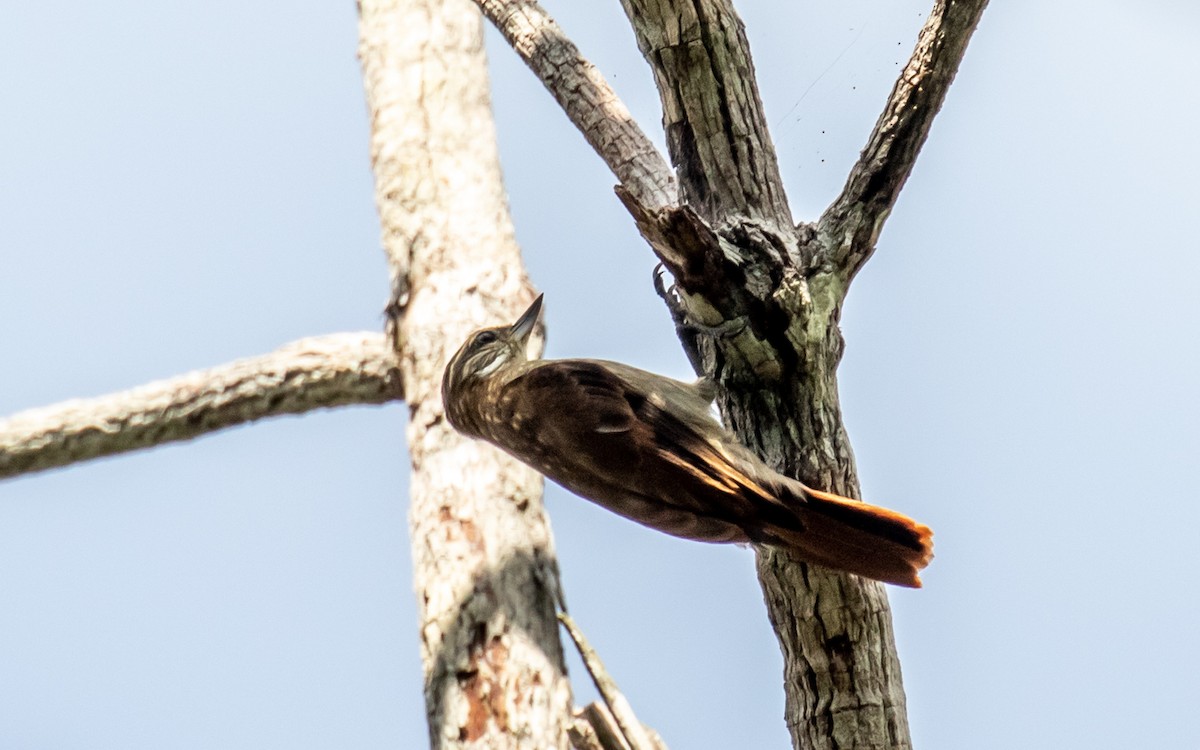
x=320, y=372
x=736, y=254
x=856, y=218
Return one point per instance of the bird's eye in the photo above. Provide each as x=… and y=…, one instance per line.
x=485, y=337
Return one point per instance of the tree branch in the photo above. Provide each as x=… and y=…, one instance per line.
x=853, y=222
x=775, y=290
x=589, y=102
x=335, y=370
x=596, y=729
x=716, y=130
x=631, y=732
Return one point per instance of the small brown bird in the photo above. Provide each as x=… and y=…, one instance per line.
x=648, y=448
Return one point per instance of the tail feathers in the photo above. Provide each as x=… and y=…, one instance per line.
x=863, y=539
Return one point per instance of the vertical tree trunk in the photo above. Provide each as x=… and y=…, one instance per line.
x=486, y=575
x=763, y=303
x=841, y=670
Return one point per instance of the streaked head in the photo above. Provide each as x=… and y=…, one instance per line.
x=485, y=353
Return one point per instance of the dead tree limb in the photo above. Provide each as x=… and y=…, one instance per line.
x=856, y=217
x=320, y=372
x=587, y=99
x=484, y=563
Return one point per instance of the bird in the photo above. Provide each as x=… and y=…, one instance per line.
x=648, y=447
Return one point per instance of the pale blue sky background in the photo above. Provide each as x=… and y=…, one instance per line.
x=186, y=183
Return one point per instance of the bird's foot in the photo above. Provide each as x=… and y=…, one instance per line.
x=679, y=313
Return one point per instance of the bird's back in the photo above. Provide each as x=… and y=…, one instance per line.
x=648, y=448
x=642, y=445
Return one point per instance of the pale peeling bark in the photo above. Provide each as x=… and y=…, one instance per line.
x=320, y=372
x=486, y=575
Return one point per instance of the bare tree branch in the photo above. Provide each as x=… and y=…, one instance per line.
x=596, y=729
x=314, y=373
x=853, y=222
x=715, y=125
x=589, y=102
x=634, y=735
x=604, y=726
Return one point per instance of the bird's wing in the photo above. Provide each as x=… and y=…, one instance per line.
x=691, y=402
x=618, y=435
x=572, y=411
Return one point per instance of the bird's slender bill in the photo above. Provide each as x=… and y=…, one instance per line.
x=525, y=324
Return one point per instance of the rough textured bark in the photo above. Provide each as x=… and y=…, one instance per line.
x=713, y=117
x=767, y=296
x=586, y=97
x=486, y=575
x=326, y=371
x=852, y=224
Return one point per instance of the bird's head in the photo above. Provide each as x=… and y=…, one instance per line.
x=485, y=354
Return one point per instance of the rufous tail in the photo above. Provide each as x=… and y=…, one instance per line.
x=859, y=538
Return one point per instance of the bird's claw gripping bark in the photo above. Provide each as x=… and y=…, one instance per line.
x=689, y=330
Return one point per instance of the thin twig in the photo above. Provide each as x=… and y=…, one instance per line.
x=589, y=102
x=854, y=220
x=320, y=372
x=635, y=735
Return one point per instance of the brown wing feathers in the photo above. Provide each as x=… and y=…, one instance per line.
x=819, y=526
x=619, y=444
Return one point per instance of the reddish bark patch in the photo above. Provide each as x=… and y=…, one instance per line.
x=482, y=684
x=460, y=528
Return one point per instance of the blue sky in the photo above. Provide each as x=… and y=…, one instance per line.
x=185, y=184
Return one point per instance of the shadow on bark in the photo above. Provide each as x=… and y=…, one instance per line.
x=472, y=663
